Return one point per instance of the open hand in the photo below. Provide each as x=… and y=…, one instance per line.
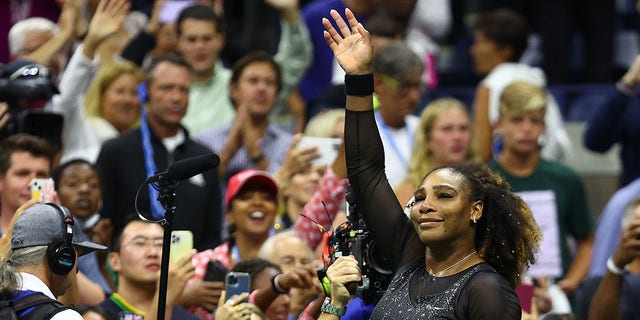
x=352, y=48
x=108, y=19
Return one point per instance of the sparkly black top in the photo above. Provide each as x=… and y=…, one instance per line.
x=478, y=292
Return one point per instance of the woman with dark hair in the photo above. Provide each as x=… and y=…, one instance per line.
x=468, y=238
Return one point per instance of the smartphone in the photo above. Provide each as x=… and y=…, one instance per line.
x=237, y=283
x=181, y=244
x=171, y=10
x=525, y=294
x=42, y=189
x=216, y=271
x=327, y=147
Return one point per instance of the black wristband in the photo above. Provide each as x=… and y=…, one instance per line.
x=360, y=85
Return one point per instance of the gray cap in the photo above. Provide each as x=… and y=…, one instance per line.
x=41, y=224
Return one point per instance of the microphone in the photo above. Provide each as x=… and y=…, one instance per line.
x=187, y=168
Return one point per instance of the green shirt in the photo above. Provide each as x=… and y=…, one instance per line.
x=209, y=102
x=573, y=214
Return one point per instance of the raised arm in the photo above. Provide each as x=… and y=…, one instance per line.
x=67, y=23
x=364, y=151
x=482, y=131
x=294, y=50
x=138, y=48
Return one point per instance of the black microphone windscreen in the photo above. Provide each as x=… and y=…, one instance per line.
x=187, y=168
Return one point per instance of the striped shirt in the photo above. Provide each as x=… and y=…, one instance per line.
x=274, y=144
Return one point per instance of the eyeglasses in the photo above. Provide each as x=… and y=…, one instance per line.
x=404, y=86
x=141, y=243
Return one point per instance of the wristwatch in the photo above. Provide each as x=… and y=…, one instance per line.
x=327, y=307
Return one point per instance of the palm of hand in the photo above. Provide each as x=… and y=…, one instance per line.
x=108, y=18
x=353, y=54
x=353, y=48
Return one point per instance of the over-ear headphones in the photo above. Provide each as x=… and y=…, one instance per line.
x=60, y=253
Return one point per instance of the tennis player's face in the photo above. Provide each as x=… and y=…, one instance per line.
x=442, y=211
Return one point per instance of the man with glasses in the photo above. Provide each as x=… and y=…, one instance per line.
x=135, y=258
x=397, y=72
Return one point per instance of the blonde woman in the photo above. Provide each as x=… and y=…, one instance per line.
x=443, y=138
x=111, y=104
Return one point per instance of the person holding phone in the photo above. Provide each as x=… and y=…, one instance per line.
x=135, y=258
x=616, y=296
x=269, y=286
x=251, y=203
x=468, y=239
x=23, y=157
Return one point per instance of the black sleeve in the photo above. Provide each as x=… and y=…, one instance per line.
x=488, y=296
x=138, y=48
x=380, y=207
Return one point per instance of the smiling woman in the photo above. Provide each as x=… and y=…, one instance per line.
x=442, y=138
x=468, y=238
x=110, y=105
x=251, y=204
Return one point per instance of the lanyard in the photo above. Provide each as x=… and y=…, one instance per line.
x=392, y=142
x=125, y=306
x=157, y=211
x=235, y=254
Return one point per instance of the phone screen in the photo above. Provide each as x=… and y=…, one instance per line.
x=328, y=148
x=181, y=244
x=237, y=283
x=171, y=10
x=42, y=189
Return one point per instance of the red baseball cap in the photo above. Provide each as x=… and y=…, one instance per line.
x=247, y=176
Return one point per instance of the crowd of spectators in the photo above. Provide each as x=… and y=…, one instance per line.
x=100, y=95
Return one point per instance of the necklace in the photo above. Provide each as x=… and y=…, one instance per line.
x=439, y=273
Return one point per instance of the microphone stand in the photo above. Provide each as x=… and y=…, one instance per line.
x=166, y=196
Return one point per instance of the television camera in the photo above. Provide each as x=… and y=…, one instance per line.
x=353, y=238
x=26, y=87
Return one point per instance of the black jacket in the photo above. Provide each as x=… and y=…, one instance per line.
x=122, y=171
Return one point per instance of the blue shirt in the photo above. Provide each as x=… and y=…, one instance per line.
x=608, y=227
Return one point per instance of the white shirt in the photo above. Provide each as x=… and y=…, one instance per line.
x=33, y=283
x=557, y=145
x=398, y=144
x=82, y=135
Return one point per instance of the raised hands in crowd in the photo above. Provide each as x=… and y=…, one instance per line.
x=106, y=21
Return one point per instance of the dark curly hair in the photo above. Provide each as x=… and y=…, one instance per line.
x=507, y=235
